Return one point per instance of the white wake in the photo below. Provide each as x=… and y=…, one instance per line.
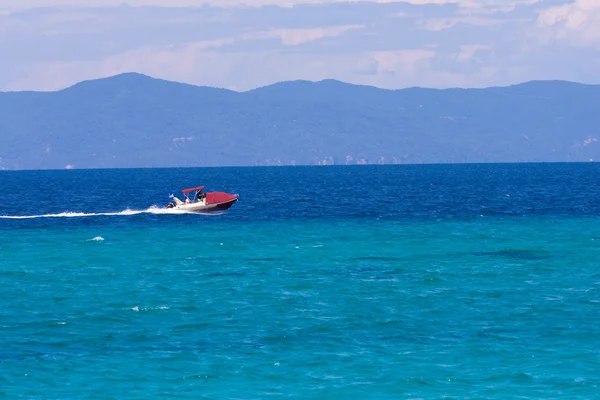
x=126, y=212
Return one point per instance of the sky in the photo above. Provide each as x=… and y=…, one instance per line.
x=241, y=45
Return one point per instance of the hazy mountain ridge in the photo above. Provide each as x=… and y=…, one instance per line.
x=131, y=120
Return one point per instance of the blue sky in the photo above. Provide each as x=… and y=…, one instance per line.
x=51, y=44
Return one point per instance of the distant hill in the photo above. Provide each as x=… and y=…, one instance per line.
x=131, y=120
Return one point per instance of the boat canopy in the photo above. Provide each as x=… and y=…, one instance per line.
x=185, y=191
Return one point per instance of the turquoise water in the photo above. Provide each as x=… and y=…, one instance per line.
x=486, y=286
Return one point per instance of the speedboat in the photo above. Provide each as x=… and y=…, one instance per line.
x=198, y=201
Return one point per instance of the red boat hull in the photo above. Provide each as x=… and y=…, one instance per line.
x=222, y=206
x=220, y=200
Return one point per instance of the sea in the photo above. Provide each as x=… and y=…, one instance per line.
x=464, y=281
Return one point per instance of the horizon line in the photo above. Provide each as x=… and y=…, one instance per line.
x=149, y=77
x=310, y=165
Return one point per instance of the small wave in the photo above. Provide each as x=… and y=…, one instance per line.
x=138, y=309
x=127, y=212
x=96, y=239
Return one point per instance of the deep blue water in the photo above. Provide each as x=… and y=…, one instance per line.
x=421, y=281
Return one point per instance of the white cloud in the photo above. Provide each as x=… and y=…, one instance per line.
x=293, y=37
x=438, y=24
x=400, y=62
x=493, y=6
x=288, y=37
x=471, y=43
x=578, y=23
x=469, y=4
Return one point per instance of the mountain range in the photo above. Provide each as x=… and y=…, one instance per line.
x=132, y=120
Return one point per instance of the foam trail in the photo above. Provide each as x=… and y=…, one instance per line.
x=126, y=212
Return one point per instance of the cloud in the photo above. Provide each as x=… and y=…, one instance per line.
x=577, y=23
x=392, y=44
x=293, y=37
x=23, y=4
x=438, y=24
x=400, y=62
